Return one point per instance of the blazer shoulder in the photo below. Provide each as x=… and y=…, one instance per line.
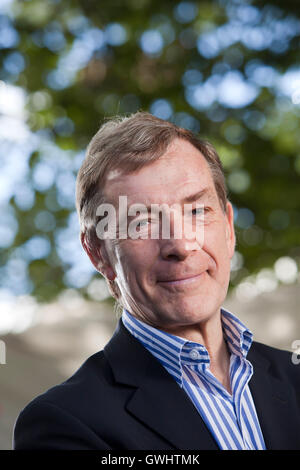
x=271, y=352
x=282, y=362
x=41, y=425
x=63, y=409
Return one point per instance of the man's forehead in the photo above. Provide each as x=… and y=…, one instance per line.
x=177, y=173
x=189, y=190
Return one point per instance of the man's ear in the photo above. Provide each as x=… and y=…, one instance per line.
x=99, y=258
x=230, y=233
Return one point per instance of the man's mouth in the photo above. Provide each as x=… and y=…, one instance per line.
x=183, y=280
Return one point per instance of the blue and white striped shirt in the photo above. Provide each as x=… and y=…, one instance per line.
x=231, y=419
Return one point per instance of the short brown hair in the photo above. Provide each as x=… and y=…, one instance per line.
x=128, y=144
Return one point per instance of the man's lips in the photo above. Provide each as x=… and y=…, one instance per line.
x=182, y=280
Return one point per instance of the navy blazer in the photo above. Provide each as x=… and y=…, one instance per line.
x=123, y=398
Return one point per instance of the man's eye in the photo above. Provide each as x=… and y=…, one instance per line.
x=198, y=211
x=142, y=223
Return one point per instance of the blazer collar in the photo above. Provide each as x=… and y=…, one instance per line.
x=158, y=400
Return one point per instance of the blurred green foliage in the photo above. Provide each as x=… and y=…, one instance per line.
x=228, y=70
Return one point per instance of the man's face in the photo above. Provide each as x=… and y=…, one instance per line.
x=150, y=272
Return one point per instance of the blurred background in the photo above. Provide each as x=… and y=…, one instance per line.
x=228, y=70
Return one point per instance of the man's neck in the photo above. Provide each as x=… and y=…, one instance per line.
x=209, y=333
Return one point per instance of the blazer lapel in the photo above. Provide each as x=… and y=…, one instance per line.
x=158, y=401
x=275, y=405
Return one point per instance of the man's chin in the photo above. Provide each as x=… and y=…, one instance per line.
x=185, y=313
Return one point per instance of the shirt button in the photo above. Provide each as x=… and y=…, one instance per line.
x=194, y=354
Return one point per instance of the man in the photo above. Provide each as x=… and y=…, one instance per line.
x=180, y=372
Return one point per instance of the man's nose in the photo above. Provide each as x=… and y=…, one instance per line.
x=179, y=242
x=177, y=249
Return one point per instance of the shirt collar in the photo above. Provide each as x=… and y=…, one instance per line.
x=239, y=338
x=174, y=351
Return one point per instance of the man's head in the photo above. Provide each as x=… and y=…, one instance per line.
x=152, y=161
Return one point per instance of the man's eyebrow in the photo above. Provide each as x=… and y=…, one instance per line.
x=191, y=198
x=198, y=195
